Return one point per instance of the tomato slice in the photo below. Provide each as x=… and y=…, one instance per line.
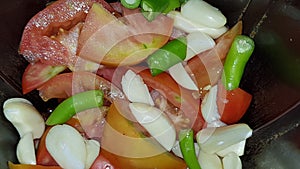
x=101, y=163
x=66, y=84
x=126, y=146
x=129, y=43
x=177, y=95
x=232, y=104
x=28, y=166
x=37, y=44
x=207, y=66
x=37, y=74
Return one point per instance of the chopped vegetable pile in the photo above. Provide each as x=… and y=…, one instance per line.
x=140, y=84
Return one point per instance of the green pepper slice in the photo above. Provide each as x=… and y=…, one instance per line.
x=152, y=8
x=131, y=4
x=170, y=54
x=187, y=147
x=76, y=103
x=236, y=59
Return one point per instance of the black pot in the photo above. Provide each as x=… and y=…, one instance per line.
x=272, y=76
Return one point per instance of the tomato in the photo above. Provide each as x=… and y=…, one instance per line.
x=207, y=66
x=126, y=147
x=233, y=104
x=66, y=84
x=105, y=39
x=28, y=166
x=37, y=74
x=37, y=44
x=101, y=163
x=177, y=95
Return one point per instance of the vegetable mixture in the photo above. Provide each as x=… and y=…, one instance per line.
x=140, y=84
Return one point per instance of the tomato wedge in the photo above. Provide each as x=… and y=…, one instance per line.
x=28, y=166
x=129, y=43
x=66, y=84
x=232, y=104
x=177, y=95
x=207, y=66
x=37, y=74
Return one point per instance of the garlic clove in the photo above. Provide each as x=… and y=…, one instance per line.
x=214, y=139
x=135, y=89
x=66, y=146
x=25, y=150
x=232, y=161
x=216, y=123
x=189, y=26
x=180, y=75
x=156, y=123
x=24, y=116
x=209, y=161
x=237, y=148
x=92, y=151
x=198, y=42
x=203, y=13
x=209, y=106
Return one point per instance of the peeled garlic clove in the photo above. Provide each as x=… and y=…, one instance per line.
x=237, y=148
x=215, y=139
x=232, y=161
x=25, y=150
x=24, y=116
x=156, y=123
x=176, y=149
x=209, y=161
x=180, y=75
x=198, y=42
x=92, y=151
x=66, y=146
x=209, y=106
x=135, y=89
x=203, y=13
x=189, y=26
x=216, y=123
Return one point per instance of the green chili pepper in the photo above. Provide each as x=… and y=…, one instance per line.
x=170, y=54
x=152, y=8
x=237, y=57
x=76, y=103
x=187, y=147
x=131, y=4
x=173, y=4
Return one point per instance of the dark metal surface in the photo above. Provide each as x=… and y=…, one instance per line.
x=272, y=76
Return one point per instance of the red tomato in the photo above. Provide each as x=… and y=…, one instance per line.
x=104, y=39
x=101, y=163
x=37, y=74
x=207, y=66
x=233, y=104
x=178, y=96
x=28, y=166
x=37, y=44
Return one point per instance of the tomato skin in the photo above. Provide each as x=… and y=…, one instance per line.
x=28, y=166
x=37, y=74
x=232, y=104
